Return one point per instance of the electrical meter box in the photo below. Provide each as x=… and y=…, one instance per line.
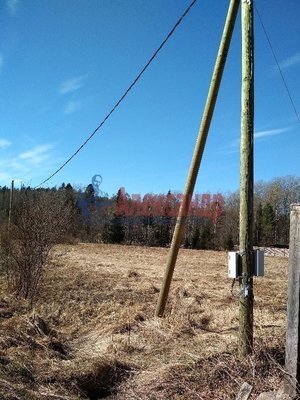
x=259, y=261
x=233, y=264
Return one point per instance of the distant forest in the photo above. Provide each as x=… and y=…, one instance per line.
x=212, y=221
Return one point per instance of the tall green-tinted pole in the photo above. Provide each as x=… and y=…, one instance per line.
x=198, y=152
x=246, y=182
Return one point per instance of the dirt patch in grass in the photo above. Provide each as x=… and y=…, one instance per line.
x=92, y=334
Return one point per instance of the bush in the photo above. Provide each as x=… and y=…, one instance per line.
x=39, y=220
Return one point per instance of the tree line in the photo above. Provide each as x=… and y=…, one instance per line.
x=212, y=221
x=40, y=218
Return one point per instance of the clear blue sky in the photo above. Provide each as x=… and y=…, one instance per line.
x=65, y=63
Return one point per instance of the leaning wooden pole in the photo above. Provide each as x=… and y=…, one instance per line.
x=246, y=183
x=198, y=152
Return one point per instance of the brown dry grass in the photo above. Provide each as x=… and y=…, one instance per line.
x=93, y=333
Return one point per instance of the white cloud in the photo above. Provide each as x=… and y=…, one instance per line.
x=36, y=155
x=12, y=6
x=290, y=61
x=34, y=163
x=270, y=132
x=72, y=84
x=4, y=143
x=234, y=145
x=72, y=106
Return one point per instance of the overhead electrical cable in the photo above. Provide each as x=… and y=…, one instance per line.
x=123, y=96
x=278, y=65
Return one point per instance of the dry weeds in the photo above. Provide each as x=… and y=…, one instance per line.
x=93, y=333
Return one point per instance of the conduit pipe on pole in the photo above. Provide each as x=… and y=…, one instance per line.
x=198, y=152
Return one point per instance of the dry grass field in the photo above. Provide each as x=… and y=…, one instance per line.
x=92, y=333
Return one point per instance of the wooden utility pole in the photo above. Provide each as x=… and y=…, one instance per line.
x=198, y=152
x=246, y=183
x=292, y=348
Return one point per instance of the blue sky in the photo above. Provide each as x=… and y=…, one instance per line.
x=65, y=63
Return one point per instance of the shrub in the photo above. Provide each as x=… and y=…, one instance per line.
x=39, y=220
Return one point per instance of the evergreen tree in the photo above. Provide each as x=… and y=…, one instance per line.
x=206, y=236
x=268, y=224
x=196, y=238
x=229, y=244
x=258, y=225
x=114, y=230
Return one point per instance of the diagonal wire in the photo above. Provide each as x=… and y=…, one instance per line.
x=123, y=96
x=278, y=65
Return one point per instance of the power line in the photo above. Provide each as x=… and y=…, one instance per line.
x=278, y=65
x=123, y=96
